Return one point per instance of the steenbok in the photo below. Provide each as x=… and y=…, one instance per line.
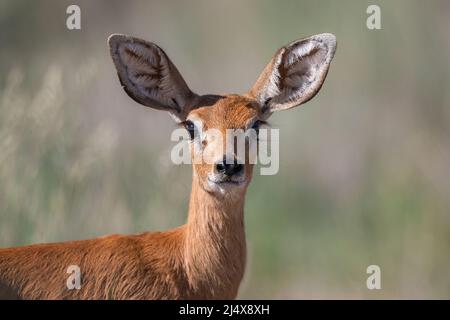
x=205, y=258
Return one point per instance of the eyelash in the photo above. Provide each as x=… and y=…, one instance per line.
x=190, y=127
x=258, y=124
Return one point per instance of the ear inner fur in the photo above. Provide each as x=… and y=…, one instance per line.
x=295, y=74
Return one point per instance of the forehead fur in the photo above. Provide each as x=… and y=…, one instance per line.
x=230, y=112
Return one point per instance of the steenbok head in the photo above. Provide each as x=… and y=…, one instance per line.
x=293, y=76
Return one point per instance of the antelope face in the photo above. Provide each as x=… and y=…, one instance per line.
x=293, y=76
x=216, y=133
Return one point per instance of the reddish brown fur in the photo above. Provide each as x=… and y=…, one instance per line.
x=203, y=259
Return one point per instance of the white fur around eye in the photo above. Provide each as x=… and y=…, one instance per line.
x=199, y=136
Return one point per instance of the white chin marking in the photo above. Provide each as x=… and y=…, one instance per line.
x=224, y=188
x=216, y=187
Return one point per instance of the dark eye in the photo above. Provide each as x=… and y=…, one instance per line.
x=190, y=127
x=256, y=126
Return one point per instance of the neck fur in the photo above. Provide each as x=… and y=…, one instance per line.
x=215, y=248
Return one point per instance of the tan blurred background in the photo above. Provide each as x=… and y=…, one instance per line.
x=364, y=167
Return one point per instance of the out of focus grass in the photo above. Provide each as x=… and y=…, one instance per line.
x=364, y=167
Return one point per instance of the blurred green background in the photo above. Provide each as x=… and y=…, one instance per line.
x=364, y=167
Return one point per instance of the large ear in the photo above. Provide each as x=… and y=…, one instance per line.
x=149, y=77
x=295, y=74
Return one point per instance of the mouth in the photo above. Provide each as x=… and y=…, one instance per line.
x=225, y=182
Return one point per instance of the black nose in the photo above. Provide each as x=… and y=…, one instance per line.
x=228, y=169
